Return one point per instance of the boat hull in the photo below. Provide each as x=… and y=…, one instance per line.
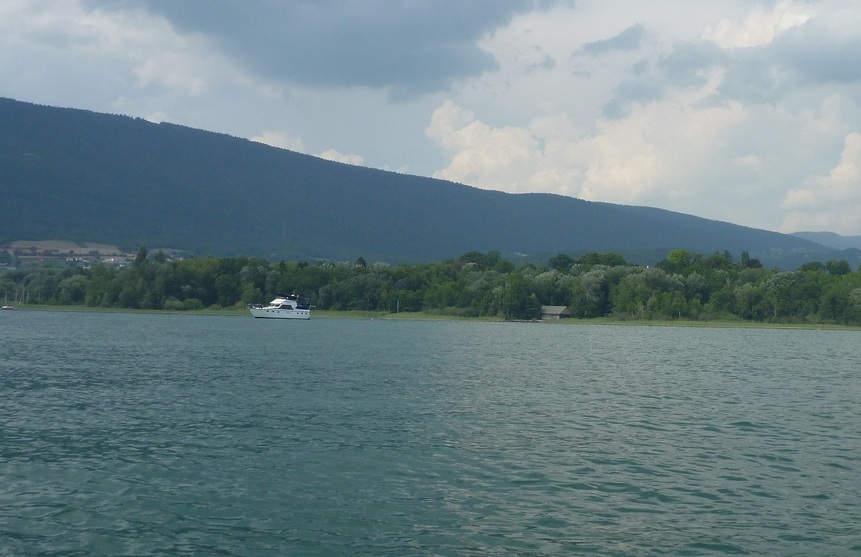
x=279, y=313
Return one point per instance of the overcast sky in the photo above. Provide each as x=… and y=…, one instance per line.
x=738, y=110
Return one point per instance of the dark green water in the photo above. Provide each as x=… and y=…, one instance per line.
x=126, y=434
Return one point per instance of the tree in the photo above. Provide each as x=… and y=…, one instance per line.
x=748, y=301
x=141, y=257
x=73, y=289
x=6, y=258
x=561, y=262
x=518, y=300
x=588, y=293
x=473, y=285
x=853, y=306
x=589, y=260
x=473, y=257
x=679, y=260
x=812, y=267
x=748, y=263
x=838, y=267
x=696, y=287
x=642, y=291
x=227, y=290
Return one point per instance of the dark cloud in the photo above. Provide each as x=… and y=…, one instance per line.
x=687, y=63
x=810, y=54
x=817, y=54
x=406, y=46
x=753, y=76
x=630, y=92
x=685, y=66
x=629, y=39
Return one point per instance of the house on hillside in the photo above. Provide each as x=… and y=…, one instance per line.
x=555, y=312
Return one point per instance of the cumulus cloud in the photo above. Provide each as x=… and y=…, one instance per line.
x=280, y=139
x=629, y=39
x=831, y=202
x=759, y=27
x=119, y=58
x=491, y=158
x=660, y=145
x=286, y=141
x=728, y=115
x=334, y=155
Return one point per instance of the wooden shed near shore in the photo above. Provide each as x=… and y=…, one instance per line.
x=555, y=312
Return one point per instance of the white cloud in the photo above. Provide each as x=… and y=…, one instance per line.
x=483, y=156
x=749, y=161
x=147, y=45
x=333, y=155
x=676, y=138
x=121, y=60
x=831, y=202
x=280, y=140
x=759, y=27
x=660, y=145
x=286, y=141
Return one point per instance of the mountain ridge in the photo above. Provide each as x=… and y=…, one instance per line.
x=831, y=239
x=79, y=175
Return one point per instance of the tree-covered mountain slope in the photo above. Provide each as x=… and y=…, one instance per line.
x=71, y=174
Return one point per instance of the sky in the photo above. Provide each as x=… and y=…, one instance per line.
x=743, y=111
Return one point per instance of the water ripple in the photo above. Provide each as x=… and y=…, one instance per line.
x=177, y=435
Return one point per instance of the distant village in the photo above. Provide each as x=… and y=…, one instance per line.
x=61, y=254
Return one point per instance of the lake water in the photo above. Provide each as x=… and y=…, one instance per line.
x=150, y=434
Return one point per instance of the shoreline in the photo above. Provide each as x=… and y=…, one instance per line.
x=429, y=316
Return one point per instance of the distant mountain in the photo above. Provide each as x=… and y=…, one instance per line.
x=831, y=240
x=70, y=174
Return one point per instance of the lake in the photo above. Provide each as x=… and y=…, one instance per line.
x=164, y=434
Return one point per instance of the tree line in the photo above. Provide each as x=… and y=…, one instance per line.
x=684, y=285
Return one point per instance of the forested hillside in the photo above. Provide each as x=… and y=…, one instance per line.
x=832, y=240
x=75, y=175
x=680, y=286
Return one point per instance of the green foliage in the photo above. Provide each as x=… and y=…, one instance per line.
x=561, y=262
x=679, y=259
x=684, y=285
x=838, y=267
x=608, y=259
